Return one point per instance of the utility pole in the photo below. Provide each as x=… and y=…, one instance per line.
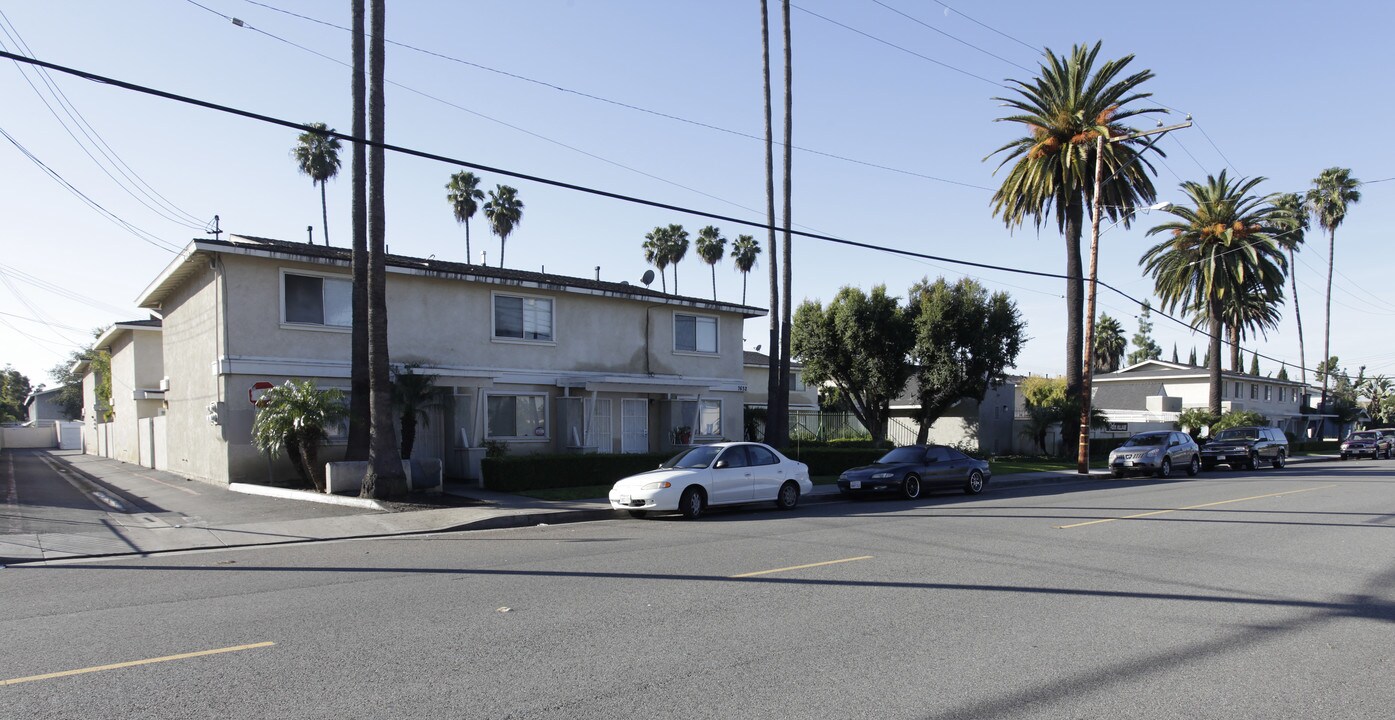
x=1082, y=460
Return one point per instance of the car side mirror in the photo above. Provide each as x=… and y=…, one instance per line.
x=1175, y=443
x=720, y=464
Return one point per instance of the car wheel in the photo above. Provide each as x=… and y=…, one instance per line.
x=1279, y=461
x=1194, y=466
x=638, y=513
x=788, y=497
x=1165, y=469
x=975, y=484
x=1254, y=461
x=692, y=503
x=1116, y=473
x=910, y=487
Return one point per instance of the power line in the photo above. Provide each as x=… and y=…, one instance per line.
x=572, y=186
x=571, y=91
x=113, y=217
x=81, y=123
x=41, y=322
x=955, y=38
x=1000, y=32
x=61, y=290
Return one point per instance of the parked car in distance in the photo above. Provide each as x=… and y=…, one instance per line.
x=1367, y=443
x=913, y=469
x=1156, y=453
x=704, y=476
x=1245, y=447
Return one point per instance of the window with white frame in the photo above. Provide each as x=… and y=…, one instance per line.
x=1267, y=391
x=516, y=417
x=316, y=300
x=694, y=333
x=522, y=317
x=796, y=382
x=697, y=419
x=1254, y=391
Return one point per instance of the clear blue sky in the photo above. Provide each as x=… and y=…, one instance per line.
x=1281, y=90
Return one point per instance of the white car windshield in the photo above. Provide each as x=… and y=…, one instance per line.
x=1146, y=440
x=697, y=457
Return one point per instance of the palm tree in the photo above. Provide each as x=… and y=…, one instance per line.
x=744, y=253
x=1253, y=310
x=1064, y=111
x=504, y=211
x=359, y=393
x=711, y=246
x=464, y=197
x=656, y=252
x=1295, y=217
x=1333, y=192
x=677, y=250
x=317, y=154
x=782, y=398
x=384, y=477
x=1217, y=249
x=412, y=395
x=773, y=428
x=1109, y=344
x=294, y=417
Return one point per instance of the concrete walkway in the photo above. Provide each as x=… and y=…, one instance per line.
x=150, y=511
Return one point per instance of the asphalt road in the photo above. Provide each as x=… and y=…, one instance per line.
x=1263, y=594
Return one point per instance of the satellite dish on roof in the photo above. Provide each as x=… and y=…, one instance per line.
x=647, y=277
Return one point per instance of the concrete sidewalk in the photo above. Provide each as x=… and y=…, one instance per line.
x=162, y=512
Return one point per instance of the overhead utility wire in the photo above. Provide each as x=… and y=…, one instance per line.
x=932, y=28
x=582, y=94
x=33, y=320
x=60, y=290
x=99, y=143
x=888, y=43
x=113, y=217
x=1029, y=46
x=565, y=185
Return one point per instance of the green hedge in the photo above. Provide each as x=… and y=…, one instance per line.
x=535, y=472
x=833, y=460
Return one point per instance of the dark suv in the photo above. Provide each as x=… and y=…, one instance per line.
x=1245, y=447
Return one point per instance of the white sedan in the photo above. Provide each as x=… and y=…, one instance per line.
x=705, y=476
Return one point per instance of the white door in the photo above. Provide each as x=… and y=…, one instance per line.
x=634, y=425
x=599, y=432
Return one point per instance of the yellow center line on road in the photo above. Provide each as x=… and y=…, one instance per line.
x=801, y=567
x=133, y=663
x=1190, y=507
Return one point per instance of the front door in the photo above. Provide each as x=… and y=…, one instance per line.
x=634, y=425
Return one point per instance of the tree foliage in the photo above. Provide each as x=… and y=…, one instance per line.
x=744, y=253
x=711, y=247
x=1238, y=418
x=1193, y=420
x=14, y=388
x=1048, y=403
x=965, y=339
x=1145, y=348
x=294, y=417
x=317, y=155
x=464, y=195
x=859, y=343
x=1110, y=345
x=504, y=211
x=413, y=393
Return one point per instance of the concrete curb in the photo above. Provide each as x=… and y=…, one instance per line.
x=306, y=495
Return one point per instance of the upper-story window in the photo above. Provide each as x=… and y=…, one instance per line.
x=317, y=300
x=796, y=382
x=694, y=333
x=1254, y=391
x=522, y=317
x=1267, y=393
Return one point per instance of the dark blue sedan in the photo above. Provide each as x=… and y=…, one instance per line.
x=913, y=469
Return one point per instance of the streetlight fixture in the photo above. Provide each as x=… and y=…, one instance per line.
x=1082, y=461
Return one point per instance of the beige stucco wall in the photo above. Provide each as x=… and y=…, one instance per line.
x=757, y=379
x=191, y=341
x=443, y=323
x=1196, y=392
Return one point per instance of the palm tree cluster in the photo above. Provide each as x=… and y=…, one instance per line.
x=1224, y=260
x=665, y=246
x=503, y=209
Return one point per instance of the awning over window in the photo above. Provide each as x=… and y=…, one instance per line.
x=663, y=385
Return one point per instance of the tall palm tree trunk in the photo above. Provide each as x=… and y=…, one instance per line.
x=1298, y=316
x=359, y=438
x=714, y=283
x=772, y=419
x=469, y=259
x=501, y=251
x=1075, y=315
x=1327, y=331
x=785, y=272
x=1233, y=331
x=1214, y=356
x=384, y=477
x=743, y=288
x=324, y=212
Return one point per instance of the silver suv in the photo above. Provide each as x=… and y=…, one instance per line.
x=1156, y=453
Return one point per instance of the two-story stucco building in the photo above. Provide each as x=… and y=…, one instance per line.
x=1152, y=394
x=134, y=433
x=538, y=362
